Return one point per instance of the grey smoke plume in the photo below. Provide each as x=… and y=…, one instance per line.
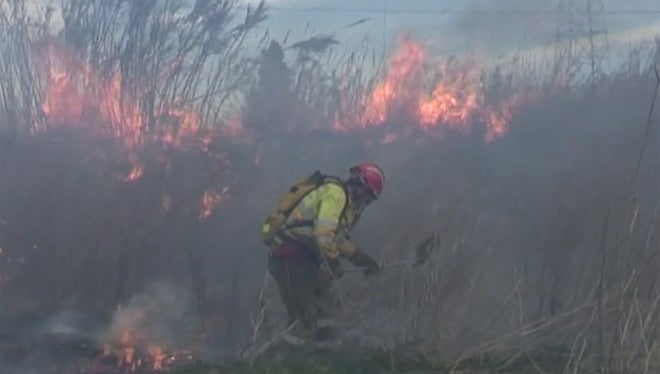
x=153, y=317
x=509, y=26
x=529, y=23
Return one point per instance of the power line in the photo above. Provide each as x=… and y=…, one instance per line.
x=433, y=11
x=385, y=11
x=553, y=12
x=581, y=37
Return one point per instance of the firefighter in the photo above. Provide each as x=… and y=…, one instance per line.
x=311, y=238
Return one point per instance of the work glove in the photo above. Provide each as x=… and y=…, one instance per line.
x=361, y=259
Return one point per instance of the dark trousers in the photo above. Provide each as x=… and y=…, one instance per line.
x=304, y=288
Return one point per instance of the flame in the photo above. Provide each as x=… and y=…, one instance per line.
x=76, y=95
x=498, y=122
x=134, y=353
x=434, y=96
x=127, y=341
x=135, y=174
x=182, y=127
x=62, y=104
x=157, y=357
x=210, y=200
x=500, y=115
x=403, y=66
x=454, y=100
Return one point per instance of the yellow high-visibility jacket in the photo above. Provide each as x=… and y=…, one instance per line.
x=328, y=231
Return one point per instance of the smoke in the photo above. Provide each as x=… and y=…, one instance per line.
x=492, y=200
x=155, y=317
x=67, y=323
x=153, y=321
x=507, y=25
x=42, y=347
x=496, y=25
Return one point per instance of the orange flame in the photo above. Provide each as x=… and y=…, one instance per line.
x=135, y=174
x=62, y=103
x=127, y=342
x=210, y=200
x=454, y=101
x=403, y=66
x=455, y=98
x=75, y=95
x=157, y=357
x=134, y=353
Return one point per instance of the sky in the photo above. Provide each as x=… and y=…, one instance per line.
x=493, y=27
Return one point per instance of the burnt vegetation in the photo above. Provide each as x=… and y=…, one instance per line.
x=142, y=143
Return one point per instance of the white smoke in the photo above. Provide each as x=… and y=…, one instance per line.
x=153, y=317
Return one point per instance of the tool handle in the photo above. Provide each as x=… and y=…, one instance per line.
x=384, y=266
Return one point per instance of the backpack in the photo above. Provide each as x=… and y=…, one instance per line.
x=275, y=222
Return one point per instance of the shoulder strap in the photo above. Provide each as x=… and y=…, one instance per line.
x=316, y=180
x=322, y=180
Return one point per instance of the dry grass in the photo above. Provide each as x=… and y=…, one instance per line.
x=543, y=256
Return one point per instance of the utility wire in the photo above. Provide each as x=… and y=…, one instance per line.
x=434, y=11
x=619, y=12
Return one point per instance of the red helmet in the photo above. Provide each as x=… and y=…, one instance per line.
x=371, y=176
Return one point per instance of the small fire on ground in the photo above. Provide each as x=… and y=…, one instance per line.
x=131, y=353
x=146, y=334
